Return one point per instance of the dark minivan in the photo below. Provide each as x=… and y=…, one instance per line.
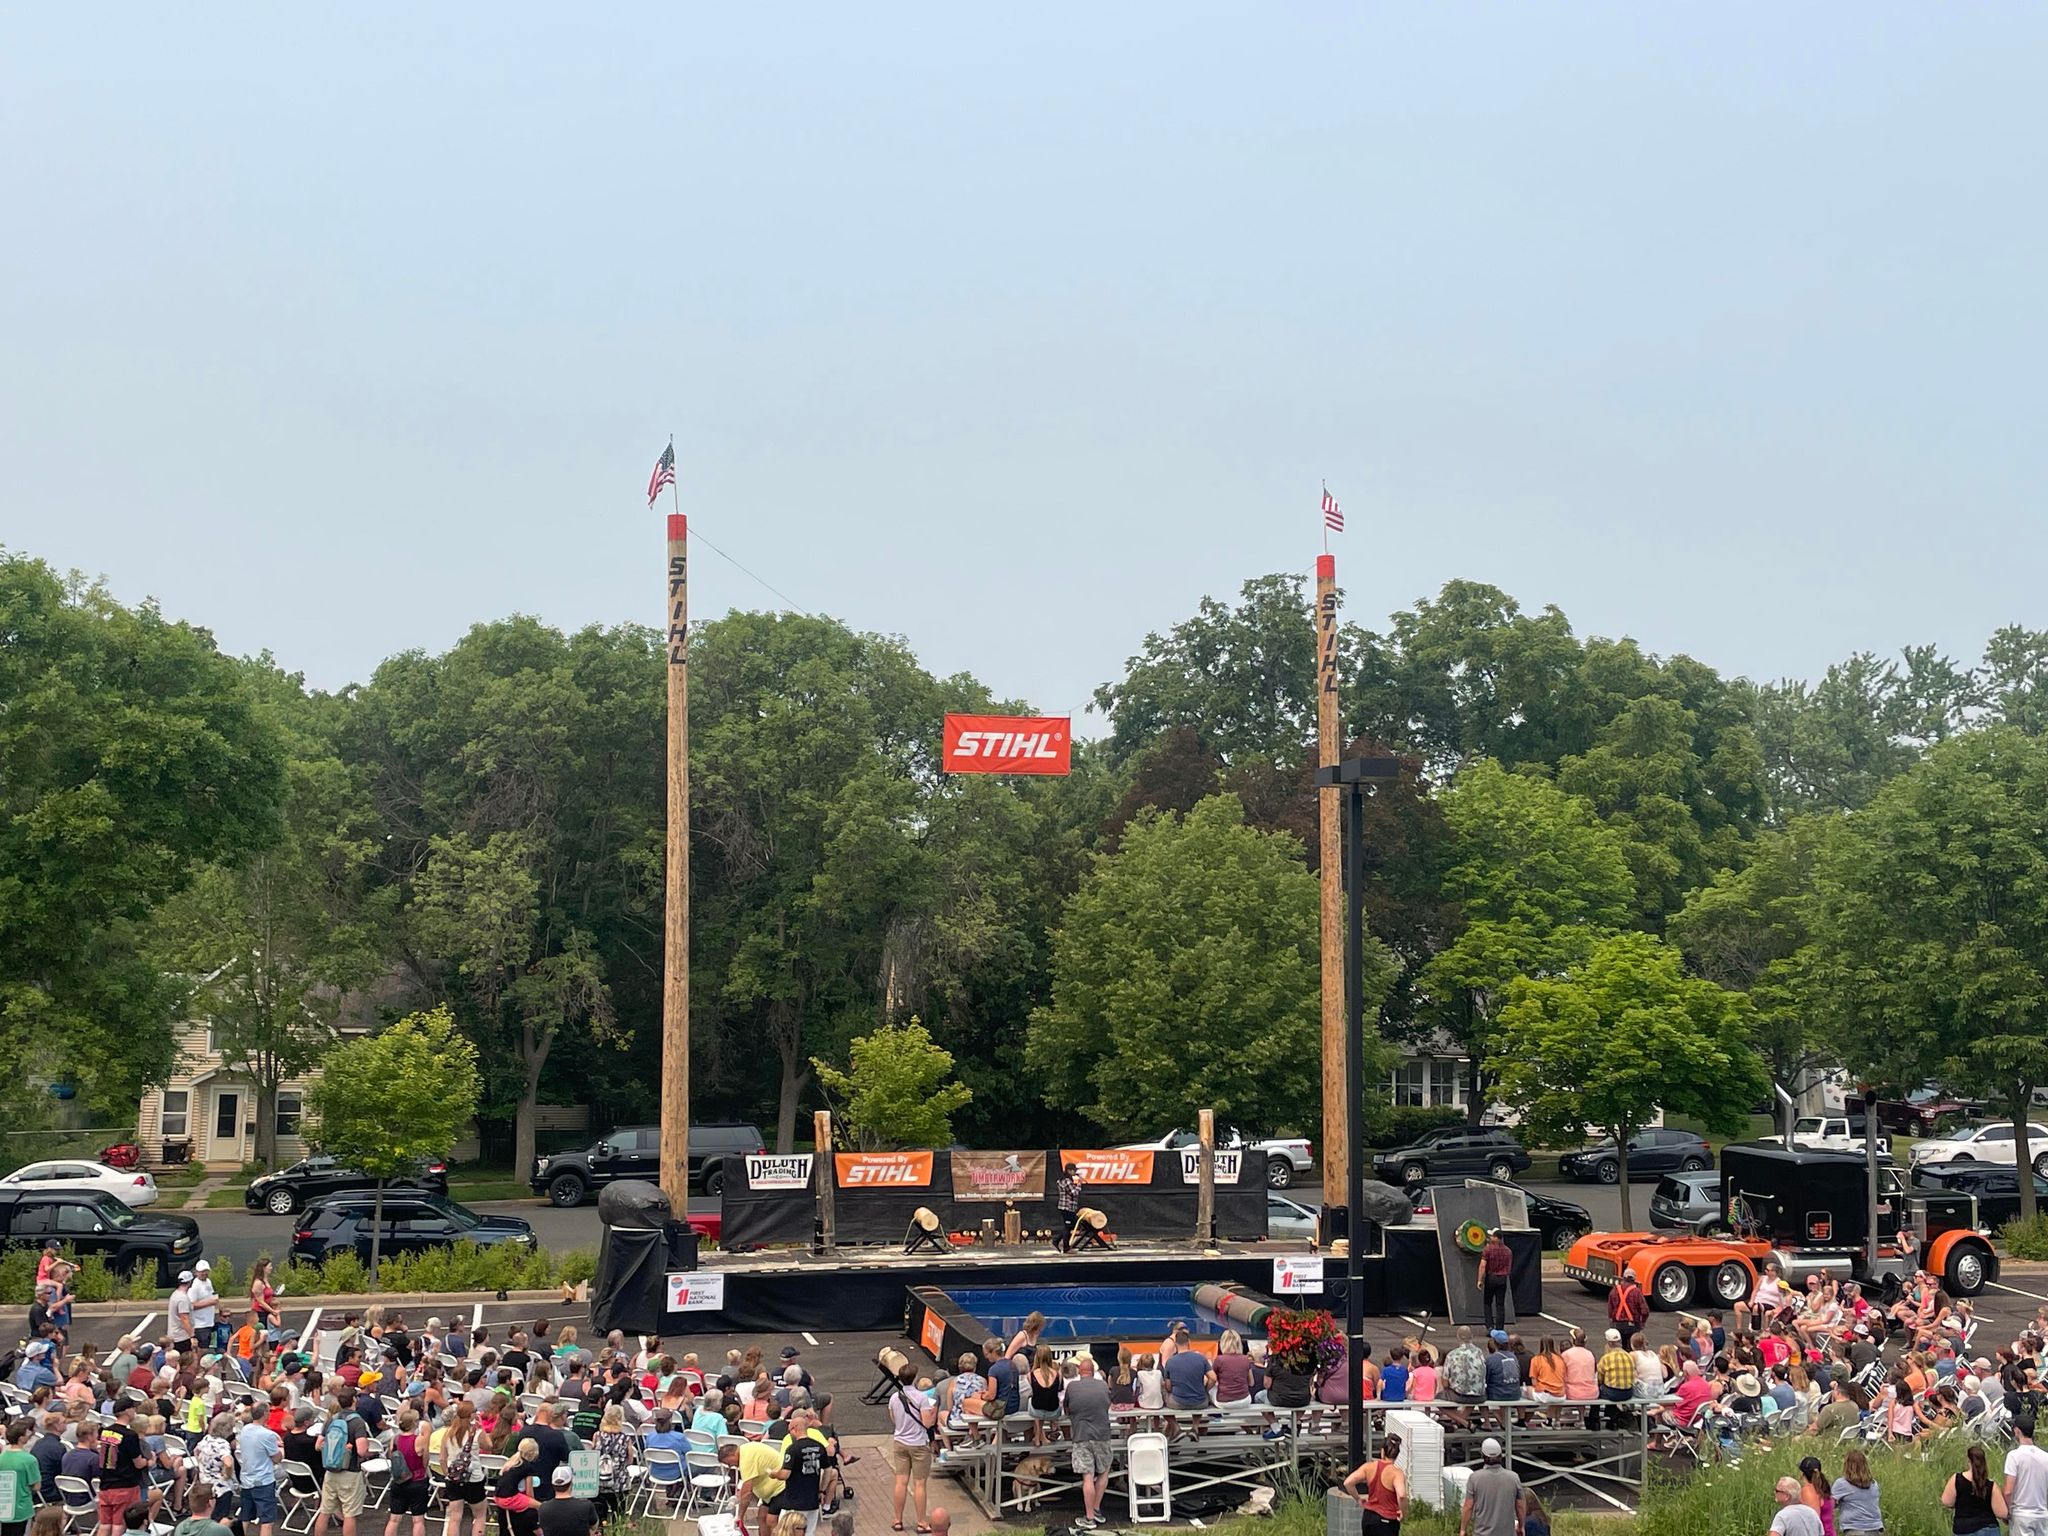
x=634, y=1152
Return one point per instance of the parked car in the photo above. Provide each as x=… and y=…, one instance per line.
x=1688, y=1202
x=1996, y=1187
x=1990, y=1142
x=1560, y=1222
x=92, y=1222
x=1651, y=1153
x=1287, y=1157
x=311, y=1178
x=1836, y=1133
x=414, y=1220
x=634, y=1152
x=1289, y=1219
x=1924, y=1111
x=133, y=1188
x=1453, y=1149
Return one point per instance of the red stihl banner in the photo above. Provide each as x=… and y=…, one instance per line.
x=1008, y=744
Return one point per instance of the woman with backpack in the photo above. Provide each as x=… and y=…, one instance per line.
x=456, y=1451
x=409, y=1490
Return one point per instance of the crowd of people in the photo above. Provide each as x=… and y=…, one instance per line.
x=213, y=1428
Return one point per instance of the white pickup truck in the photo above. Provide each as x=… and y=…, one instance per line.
x=1834, y=1133
x=1287, y=1157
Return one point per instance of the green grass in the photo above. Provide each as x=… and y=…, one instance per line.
x=490, y=1189
x=229, y=1199
x=1717, y=1501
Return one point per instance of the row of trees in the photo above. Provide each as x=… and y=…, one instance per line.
x=1846, y=866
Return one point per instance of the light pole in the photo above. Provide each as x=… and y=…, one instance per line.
x=1352, y=776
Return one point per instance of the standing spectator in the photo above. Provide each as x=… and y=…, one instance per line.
x=1493, y=1496
x=1976, y=1502
x=205, y=1306
x=802, y=1474
x=1381, y=1489
x=1795, y=1517
x=20, y=1475
x=911, y=1416
x=259, y=1452
x=566, y=1515
x=1496, y=1262
x=345, y=1444
x=1044, y=1406
x=123, y=1464
x=2026, y=1481
x=1068, y=1197
x=1087, y=1399
x=1857, y=1510
x=1627, y=1308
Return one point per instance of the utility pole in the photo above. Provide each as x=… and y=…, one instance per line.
x=1336, y=1131
x=675, y=976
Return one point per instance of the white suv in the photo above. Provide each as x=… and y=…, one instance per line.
x=1989, y=1143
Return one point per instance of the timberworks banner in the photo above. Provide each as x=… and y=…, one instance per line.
x=1108, y=1166
x=883, y=1170
x=1008, y=744
x=998, y=1175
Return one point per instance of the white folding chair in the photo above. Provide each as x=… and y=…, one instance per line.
x=664, y=1476
x=300, y=1497
x=1150, y=1479
x=81, y=1509
x=708, y=1482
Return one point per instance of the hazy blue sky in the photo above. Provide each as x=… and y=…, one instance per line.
x=1014, y=330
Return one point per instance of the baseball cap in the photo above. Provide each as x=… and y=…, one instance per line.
x=1490, y=1448
x=564, y=1477
x=184, y=1275
x=203, y=1266
x=1500, y=1335
x=1614, y=1335
x=790, y=1351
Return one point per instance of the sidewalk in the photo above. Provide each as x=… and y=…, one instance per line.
x=195, y=1199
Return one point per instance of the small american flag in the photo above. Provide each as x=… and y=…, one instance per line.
x=665, y=474
x=1333, y=515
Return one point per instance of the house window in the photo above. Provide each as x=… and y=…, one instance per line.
x=213, y=1040
x=1410, y=1081
x=288, y=1108
x=1446, y=1082
x=177, y=1105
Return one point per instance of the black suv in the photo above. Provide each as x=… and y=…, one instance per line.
x=634, y=1152
x=1997, y=1188
x=1651, y=1154
x=1453, y=1149
x=92, y=1222
x=414, y=1220
x=295, y=1188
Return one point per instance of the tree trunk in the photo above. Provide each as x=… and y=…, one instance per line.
x=266, y=1124
x=533, y=1055
x=1620, y=1134
x=2023, y=1151
x=376, y=1233
x=794, y=1081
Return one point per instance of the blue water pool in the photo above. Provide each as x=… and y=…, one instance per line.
x=1093, y=1311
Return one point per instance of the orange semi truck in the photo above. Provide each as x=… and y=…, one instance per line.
x=1808, y=1212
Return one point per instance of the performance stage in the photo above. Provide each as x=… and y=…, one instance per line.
x=870, y=1289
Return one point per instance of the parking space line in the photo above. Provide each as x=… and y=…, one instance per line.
x=311, y=1339
x=808, y=1339
x=141, y=1329
x=1557, y=1320
x=2001, y=1285
x=476, y=1317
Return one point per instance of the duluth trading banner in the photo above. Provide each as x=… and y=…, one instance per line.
x=883, y=1170
x=1227, y=1164
x=998, y=1175
x=766, y=1170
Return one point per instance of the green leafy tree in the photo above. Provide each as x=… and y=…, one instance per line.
x=1748, y=930
x=1624, y=1032
x=132, y=756
x=898, y=1090
x=1539, y=880
x=1185, y=976
x=1930, y=927
x=518, y=780
x=271, y=946
x=387, y=1102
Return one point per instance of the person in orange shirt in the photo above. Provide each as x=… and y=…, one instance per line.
x=243, y=1344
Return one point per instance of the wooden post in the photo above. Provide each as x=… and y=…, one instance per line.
x=675, y=978
x=821, y=1168
x=1205, y=1187
x=1336, y=1148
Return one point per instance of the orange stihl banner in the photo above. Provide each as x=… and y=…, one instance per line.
x=1098, y=1166
x=1008, y=744
x=871, y=1170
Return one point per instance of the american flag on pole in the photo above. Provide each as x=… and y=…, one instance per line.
x=1333, y=515
x=665, y=474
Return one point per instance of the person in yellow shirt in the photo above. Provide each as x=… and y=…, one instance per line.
x=758, y=1460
